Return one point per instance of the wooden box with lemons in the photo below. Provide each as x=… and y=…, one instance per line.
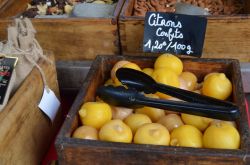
x=96, y=132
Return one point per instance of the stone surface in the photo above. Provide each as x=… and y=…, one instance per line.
x=93, y=10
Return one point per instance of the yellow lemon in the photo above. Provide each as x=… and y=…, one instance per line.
x=221, y=135
x=86, y=132
x=152, y=133
x=148, y=71
x=170, y=121
x=167, y=77
x=116, y=131
x=217, y=86
x=126, y=65
x=134, y=121
x=190, y=79
x=216, y=121
x=132, y=65
x=198, y=121
x=120, y=112
x=169, y=61
x=209, y=74
x=117, y=82
x=152, y=96
x=153, y=113
x=186, y=136
x=95, y=114
x=109, y=82
x=117, y=65
x=183, y=84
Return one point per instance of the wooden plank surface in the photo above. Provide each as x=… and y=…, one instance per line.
x=75, y=71
x=95, y=153
x=77, y=39
x=10, y=8
x=245, y=73
x=228, y=38
x=225, y=38
x=74, y=39
x=26, y=132
x=3, y=3
x=247, y=6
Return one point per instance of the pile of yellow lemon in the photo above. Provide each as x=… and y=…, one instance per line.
x=150, y=125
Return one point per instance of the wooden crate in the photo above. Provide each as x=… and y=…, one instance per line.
x=26, y=133
x=70, y=38
x=71, y=74
x=226, y=36
x=78, y=151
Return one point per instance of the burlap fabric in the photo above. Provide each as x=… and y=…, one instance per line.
x=22, y=43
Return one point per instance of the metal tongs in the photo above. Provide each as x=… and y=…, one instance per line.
x=192, y=103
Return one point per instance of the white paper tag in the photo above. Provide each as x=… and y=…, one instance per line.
x=48, y=3
x=49, y=104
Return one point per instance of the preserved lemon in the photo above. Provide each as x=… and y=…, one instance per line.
x=95, y=114
x=116, y=131
x=152, y=133
x=167, y=77
x=86, y=132
x=186, y=136
x=169, y=61
x=217, y=86
x=134, y=121
x=198, y=121
x=221, y=135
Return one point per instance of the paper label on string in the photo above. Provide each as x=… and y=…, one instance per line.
x=49, y=104
x=7, y=65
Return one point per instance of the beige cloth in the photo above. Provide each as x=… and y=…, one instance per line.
x=21, y=43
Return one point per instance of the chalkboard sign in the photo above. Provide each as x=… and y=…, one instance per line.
x=174, y=33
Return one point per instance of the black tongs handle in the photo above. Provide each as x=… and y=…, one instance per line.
x=119, y=96
x=142, y=82
x=191, y=96
x=211, y=111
